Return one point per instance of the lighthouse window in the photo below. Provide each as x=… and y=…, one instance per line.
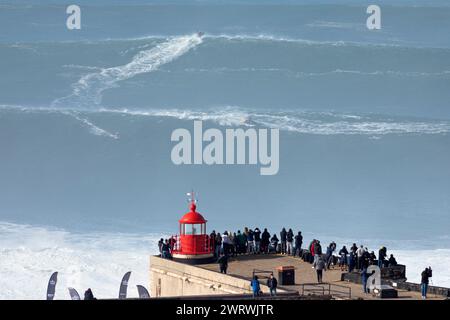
x=192, y=229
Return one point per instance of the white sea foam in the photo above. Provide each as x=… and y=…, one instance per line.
x=274, y=38
x=279, y=38
x=302, y=74
x=76, y=114
x=317, y=123
x=267, y=37
x=76, y=66
x=335, y=25
x=320, y=123
x=390, y=72
x=23, y=46
x=29, y=255
x=417, y=260
x=89, y=88
x=94, y=129
x=226, y=36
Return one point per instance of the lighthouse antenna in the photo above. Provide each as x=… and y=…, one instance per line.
x=194, y=200
x=192, y=195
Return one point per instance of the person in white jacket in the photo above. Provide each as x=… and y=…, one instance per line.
x=360, y=253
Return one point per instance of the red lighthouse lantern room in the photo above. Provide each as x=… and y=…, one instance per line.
x=193, y=245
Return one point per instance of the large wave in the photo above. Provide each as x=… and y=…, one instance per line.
x=268, y=37
x=250, y=37
x=29, y=254
x=88, y=90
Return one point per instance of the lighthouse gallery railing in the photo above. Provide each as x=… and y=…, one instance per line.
x=192, y=244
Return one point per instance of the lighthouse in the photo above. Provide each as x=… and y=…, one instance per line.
x=193, y=245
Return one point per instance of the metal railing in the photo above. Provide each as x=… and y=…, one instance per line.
x=330, y=289
x=200, y=245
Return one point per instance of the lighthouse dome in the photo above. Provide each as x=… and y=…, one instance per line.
x=192, y=216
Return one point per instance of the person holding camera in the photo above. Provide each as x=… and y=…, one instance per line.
x=426, y=275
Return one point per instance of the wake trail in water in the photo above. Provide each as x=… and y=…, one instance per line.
x=302, y=74
x=89, y=88
x=94, y=129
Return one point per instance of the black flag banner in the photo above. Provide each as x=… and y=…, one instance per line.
x=143, y=293
x=124, y=285
x=74, y=294
x=51, y=286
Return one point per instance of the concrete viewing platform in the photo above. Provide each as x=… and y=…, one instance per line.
x=174, y=279
x=305, y=276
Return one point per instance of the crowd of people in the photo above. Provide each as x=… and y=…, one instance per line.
x=256, y=242
x=253, y=241
x=166, y=247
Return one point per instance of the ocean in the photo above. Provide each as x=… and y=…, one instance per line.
x=87, y=185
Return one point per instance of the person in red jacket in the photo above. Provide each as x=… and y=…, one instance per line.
x=311, y=247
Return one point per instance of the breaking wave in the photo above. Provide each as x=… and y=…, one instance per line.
x=265, y=37
x=88, y=90
x=29, y=254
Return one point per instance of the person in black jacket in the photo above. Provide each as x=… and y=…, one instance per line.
x=317, y=248
x=351, y=261
x=218, y=244
x=212, y=239
x=290, y=242
x=274, y=242
x=272, y=283
x=223, y=263
x=329, y=254
x=165, y=248
x=235, y=245
x=426, y=275
x=381, y=256
x=160, y=245
x=283, y=235
x=298, y=244
x=372, y=258
x=365, y=259
x=343, y=257
x=265, y=241
x=392, y=262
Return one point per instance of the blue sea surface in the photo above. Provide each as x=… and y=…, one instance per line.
x=364, y=116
